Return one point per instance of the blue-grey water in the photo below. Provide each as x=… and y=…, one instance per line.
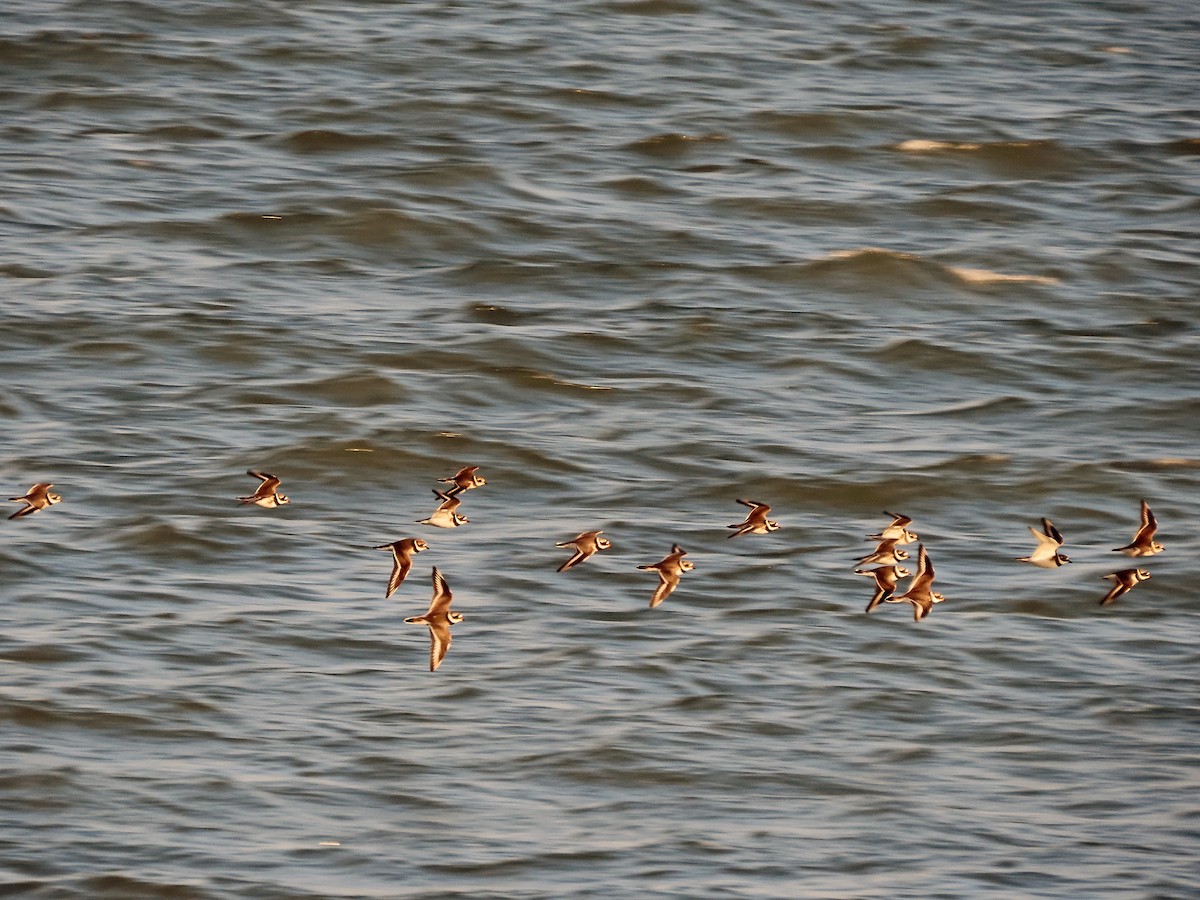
x=635, y=259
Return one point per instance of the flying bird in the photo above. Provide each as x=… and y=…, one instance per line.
x=920, y=593
x=38, y=497
x=1143, y=543
x=885, y=554
x=669, y=571
x=586, y=545
x=756, y=520
x=402, y=553
x=463, y=480
x=446, y=515
x=1123, y=582
x=897, y=531
x=1046, y=555
x=267, y=493
x=439, y=618
x=885, y=582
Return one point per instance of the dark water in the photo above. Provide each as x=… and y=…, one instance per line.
x=635, y=260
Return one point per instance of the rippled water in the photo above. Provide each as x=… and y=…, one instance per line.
x=635, y=260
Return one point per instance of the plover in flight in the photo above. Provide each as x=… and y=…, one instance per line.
x=38, y=497
x=885, y=554
x=446, y=515
x=669, y=570
x=439, y=618
x=897, y=531
x=402, y=554
x=463, y=480
x=756, y=520
x=1123, y=582
x=267, y=493
x=1143, y=543
x=885, y=582
x=920, y=593
x=1046, y=555
x=587, y=544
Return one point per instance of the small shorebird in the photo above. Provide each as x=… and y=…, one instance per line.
x=885, y=554
x=669, y=570
x=885, y=582
x=439, y=618
x=267, y=493
x=463, y=480
x=1143, y=543
x=756, y=520
x=1123, y=582
x=1046, y=555
x=38, y=497
x=587, y=544
x=897, y=531
x=402, y=554
x=446, y=515
x=919, y=592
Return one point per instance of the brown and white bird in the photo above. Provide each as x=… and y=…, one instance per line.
x=1123, y=582
x=756, y=520
x=587, y=544
x=1046, y=555
x=439, y=618
x=885, y=554
x=463, y=480
x=885, y=582
x=267, y=493
x=446, y=515
x=897, y=531
x=1143, y=543
x=669, y=571
x=920, y=593
x=38, y=497
x=402, y=554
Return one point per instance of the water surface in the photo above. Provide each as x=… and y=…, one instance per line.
x=635, y=260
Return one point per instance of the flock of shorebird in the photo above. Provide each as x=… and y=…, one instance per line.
x=887, y=556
